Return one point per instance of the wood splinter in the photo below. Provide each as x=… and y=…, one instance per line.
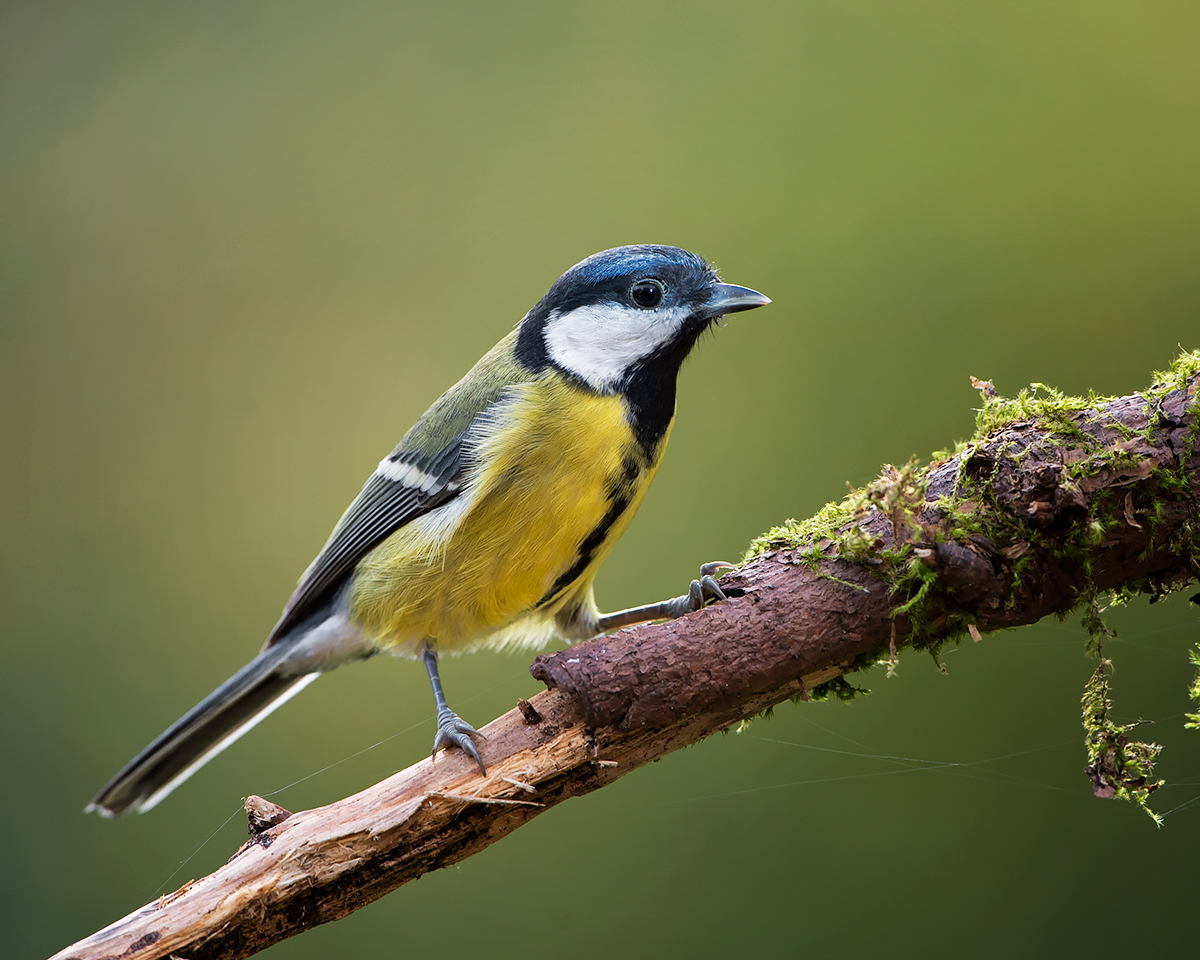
x=263, y=814
x=496, y=800
x=528, y=711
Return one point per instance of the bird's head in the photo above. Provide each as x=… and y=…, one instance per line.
x=628, y=310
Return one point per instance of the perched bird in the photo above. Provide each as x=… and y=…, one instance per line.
x=486, y=525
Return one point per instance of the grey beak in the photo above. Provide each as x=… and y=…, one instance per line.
x=730, y=298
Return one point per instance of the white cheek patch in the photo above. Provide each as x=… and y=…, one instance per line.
x=601, y=341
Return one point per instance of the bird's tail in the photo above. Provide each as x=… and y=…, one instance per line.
x=241, y=702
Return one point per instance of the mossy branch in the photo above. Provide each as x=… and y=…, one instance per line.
x=1056, y=500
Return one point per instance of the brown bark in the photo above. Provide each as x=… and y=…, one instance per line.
x=1102, y=499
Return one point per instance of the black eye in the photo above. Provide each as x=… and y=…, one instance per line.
x=647, y=293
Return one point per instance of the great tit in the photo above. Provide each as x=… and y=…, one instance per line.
x=486, y=525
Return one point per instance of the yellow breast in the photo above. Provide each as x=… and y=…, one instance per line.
x=561, y=476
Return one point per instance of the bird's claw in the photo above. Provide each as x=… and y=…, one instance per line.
x=452, y=730
x=701, y=592
x=704, y=591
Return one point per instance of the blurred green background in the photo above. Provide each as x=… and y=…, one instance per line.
x=243, y=245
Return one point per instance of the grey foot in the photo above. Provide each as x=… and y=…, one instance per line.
x=454, y=731
x=702, y=592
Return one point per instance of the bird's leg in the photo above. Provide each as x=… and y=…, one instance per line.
x=451, y=729
x=700, y=593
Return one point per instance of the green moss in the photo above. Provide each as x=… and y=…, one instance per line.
x=897, y=492
x=1193, y=719
x=800, y=533
x=1097, y=630
x=1099, y=459
x=919, y=580
x=838, y=687
x=900, y=492
x=1119, y=766
x=1036, y=402
x=805, y=533
x=1020, y=570
x=1176, y=376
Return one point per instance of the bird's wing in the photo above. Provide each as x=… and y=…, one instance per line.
x=424, y=472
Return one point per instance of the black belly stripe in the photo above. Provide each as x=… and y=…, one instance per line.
x=619, y=503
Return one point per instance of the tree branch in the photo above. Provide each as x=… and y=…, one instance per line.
x=1056, y=500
